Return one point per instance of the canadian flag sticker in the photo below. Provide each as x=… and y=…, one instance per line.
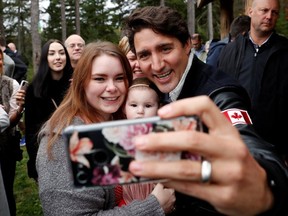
x=237, y=116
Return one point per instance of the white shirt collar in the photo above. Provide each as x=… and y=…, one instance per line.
x=173, y=95
x=257, y=45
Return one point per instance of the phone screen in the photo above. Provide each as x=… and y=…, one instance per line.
x=99, y=154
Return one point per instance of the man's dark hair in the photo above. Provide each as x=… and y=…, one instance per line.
x=160, y=19
x=240, y=25
x=196, y=36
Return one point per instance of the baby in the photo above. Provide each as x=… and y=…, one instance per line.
x=143, y=100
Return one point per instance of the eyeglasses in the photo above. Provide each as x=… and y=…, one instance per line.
x=73, y=46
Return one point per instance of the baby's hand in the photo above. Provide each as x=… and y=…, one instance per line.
x=166, y=197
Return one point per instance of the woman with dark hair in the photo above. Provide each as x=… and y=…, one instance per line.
x=44, y=94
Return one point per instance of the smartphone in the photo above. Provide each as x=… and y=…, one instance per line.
x=99, y=154
x=23, y=85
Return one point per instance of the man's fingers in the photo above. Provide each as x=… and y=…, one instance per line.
x=201, y=106
x=158, y=169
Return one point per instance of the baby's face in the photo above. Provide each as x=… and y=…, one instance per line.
x=141, y=102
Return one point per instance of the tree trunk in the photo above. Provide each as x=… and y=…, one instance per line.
x=2, y=31
x=226, y=16
x=36, y=45
x=162, y=2
x=18, y=44
x=77, y=15
x=63, y=20
x=210, y=22
x=191, y=16
x=286, y=11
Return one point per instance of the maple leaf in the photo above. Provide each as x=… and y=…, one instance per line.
x=236, y=116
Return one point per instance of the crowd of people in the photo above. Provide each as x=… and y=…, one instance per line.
x=10, y=151
x=158, y=68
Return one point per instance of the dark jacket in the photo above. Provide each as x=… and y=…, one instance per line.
x=202, y=79
x=265, y=76
x=215, y=50
x=37, y=111
x=20, y=70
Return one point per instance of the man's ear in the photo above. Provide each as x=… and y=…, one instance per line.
x=249, y=11
x=188, y=46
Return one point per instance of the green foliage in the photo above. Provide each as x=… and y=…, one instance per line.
x=119, y=11
x=70, y=16
x=95, y=21
x=16, y=16
x=98, y=22
x=282, y=24
x=26, y=191
x=180, y=6
x=30, y=73
x=53, y=29
x=144, y=3
x=201, y=16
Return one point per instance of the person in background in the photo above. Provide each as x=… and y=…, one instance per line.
x=258, y=60
x=13, y=48
x=44, y=94
x=240, y=173
x=75, y=45
x=240, y=25
x=207, y=45
x=10, y=151
x=198, y=48
x=9, y=66
x=100, y=83
x=4, y=119
x=4, y=123
x=4, y=207
x=20, y=69
x=125, y=47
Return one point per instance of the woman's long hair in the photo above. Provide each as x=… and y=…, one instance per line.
x=43, y=77
x=75, y=102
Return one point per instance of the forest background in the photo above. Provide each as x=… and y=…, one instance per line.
x=101, y=19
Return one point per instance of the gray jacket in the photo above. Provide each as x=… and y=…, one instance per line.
x=58, y=197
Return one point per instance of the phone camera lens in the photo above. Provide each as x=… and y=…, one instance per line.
x=100, y=157
x=82, y=177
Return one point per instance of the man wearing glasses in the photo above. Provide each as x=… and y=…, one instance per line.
x=75, y=46
x=198, y=48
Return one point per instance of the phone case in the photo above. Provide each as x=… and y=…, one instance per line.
x=24, y=85
x=99, y=154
